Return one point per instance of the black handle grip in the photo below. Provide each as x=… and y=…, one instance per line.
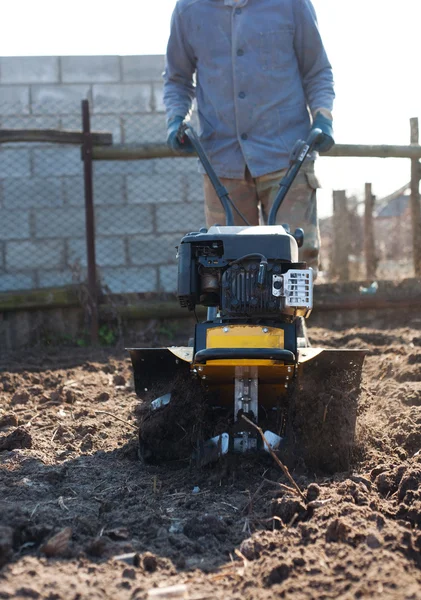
x=222, y=192
x=300, y=152
x=210, y=354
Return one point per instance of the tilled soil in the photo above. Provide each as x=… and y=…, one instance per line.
x=81, y=517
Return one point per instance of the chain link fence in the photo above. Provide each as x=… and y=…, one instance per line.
x=142, y=207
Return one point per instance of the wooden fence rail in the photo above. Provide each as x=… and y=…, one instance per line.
x=148, y=151
x=52, y=136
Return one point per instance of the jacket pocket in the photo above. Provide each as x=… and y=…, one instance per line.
x=310, y=175
x=275, y=47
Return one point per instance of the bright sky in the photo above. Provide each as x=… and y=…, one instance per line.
x=372, y=44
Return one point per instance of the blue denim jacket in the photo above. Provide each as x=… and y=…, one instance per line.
x=261, y=70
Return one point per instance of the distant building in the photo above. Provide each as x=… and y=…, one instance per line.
x=393, y=226
x=392, y=233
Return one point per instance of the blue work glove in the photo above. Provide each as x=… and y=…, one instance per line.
x=172, y=139
x=325, y=124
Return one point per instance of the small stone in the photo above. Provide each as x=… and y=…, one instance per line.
x=129, y=574
x=58, y=544
x=119, y=380
x=20, y=398
x=149, y=562
x=250, y=549
x=313, y=492
x=278, y=574
x=103, y=397
x=70, y=397
x=373, y=541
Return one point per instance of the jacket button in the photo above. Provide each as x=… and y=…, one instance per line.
x=242, y=95
x=240, y=52
x=238, y=11
x=244, y=136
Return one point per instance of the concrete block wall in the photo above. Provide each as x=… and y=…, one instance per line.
x=142, y=207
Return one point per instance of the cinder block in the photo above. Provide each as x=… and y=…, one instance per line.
x=108, y=189
x=54, y=162
x=158, y=91
x=16, y=281
x=74, y=191
x=55, y=278
x=123, y=167
x=139, y=129
x=88, y=69
x=184, y=165
x=14, y=224
x=146, y=189
x=14, y=100
x=14, y=162
x=168, y=278
x=60, y=223
x=130, y=279
x=108, y=124
x=182, y=217
x=29, y=69
x=124, y=220
x=59, y=99
x=110, y=252
x=143, y=68
x=41, y=254
x=195, y=191
x=32, y=192
x=122, y=98
x=30, y=122
x=154, y=249
x=99, y=123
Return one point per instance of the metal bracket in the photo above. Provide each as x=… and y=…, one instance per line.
x=246, y=401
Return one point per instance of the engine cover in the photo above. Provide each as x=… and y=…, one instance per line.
x=242, y=294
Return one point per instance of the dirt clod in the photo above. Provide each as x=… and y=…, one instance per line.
x=19, y=438
x=57, y=545
x=288, y=509
x=9, y=420
x=21, y=397
x=278, y=574
x=149, y=562
x=337, y=531
x=313, y=492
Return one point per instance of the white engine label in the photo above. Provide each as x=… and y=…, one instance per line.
x=297, y=287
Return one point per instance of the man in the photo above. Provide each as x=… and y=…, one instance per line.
x=262, y=80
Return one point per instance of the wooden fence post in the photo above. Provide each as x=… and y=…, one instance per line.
x=369, y=240
x=415, y=201
x=341, y=236
x=90, y=222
